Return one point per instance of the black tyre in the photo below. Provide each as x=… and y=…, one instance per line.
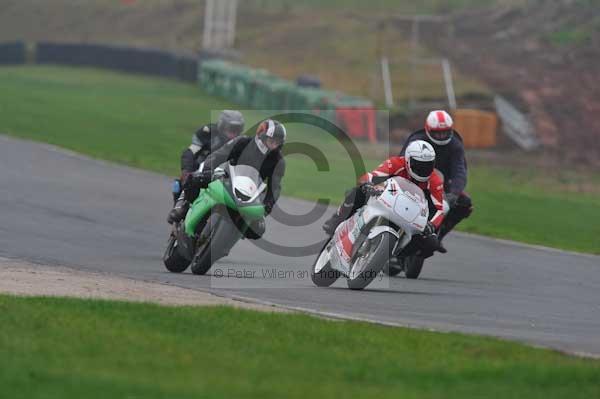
x=222, y=235
x=326, y=275
x=413, y=266
x=366, y=267
x=392, y=268
x=173, y=260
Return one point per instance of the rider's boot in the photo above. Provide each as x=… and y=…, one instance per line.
x=460, y=211
x=332, y=223
x=353, y=198
x=441, y=248
x=343, y=213
x=178, y=212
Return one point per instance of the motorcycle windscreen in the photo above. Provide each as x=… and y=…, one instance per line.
x=411, y=202
x=246, y=182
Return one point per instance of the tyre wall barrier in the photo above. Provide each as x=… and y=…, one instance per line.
x=257, y=88
x=12, y=53
x=119, y=58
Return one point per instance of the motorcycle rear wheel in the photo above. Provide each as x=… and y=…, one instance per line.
x=392, y=269
x=413, y=266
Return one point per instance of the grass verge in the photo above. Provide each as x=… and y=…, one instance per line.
x=70, y=348
x=146, y=122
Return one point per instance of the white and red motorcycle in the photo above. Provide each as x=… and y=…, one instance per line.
x=362, y=245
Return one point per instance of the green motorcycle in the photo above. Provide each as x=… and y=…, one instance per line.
x=217, y=219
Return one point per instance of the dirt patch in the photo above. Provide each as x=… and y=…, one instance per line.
x=21, y=278
x=543, y=55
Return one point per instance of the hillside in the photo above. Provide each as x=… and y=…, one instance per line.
x=340, y=45
x=542, y=55
x=545, y=56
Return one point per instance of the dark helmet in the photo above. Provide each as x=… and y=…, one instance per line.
x=230, y=124
x=270, y=136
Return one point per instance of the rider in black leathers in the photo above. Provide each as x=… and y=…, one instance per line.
x=450, y=160
x=262, y=152
x=205, y=140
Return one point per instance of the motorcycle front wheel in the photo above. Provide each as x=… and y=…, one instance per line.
x=173, y=260
x=322, y=274
x=370, y=260
x=220, y=236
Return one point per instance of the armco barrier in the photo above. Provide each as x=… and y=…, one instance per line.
x=12, y=53
x=187, y=69
x=126, y=59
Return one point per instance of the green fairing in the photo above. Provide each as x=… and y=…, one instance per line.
x=252, y=212
x=215, y=194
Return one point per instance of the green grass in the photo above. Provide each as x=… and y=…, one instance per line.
x=146, y=122
x=566, y=37
x=514, y=206
x=70, y=348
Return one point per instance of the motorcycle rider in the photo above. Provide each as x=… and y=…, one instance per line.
x=416, y=166
x=205, y=140
x=262, y=152
x=450, y=162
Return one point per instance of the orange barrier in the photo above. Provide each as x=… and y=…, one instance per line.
x=358, y=122
x=477, y=128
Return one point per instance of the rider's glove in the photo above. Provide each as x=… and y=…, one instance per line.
x=198, y=179
x=430, y=229
x=218, y=173
x=370, y=190
x=451, y=199
x=431, y=240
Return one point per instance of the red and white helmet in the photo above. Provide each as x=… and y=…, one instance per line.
x=438, y=127
x=270, y=135
x=420, y=160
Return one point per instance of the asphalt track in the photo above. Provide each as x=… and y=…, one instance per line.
x=60, y=208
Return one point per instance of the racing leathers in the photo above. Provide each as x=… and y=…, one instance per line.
x=205, y=141
x=451, y=162
x=243, y=150
x=394, y=166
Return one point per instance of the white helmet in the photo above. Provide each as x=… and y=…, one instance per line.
x=438, y=127
x=420, y=160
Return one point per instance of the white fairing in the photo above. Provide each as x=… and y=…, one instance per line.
x=402, y=203
x=246, y=180
x=245, y=185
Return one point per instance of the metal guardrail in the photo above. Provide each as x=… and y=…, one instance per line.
x=516, y=124
x=12, y=53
